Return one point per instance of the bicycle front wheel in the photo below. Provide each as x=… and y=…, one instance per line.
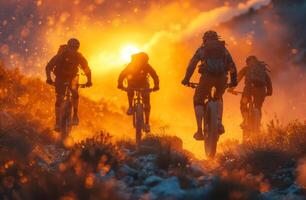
x=210, y=142
x=139, y=122
x=66, y=119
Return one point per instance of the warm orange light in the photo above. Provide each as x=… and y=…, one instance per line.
x=127, y=51
x=111, y=58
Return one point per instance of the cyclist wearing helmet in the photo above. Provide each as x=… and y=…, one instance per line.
x=215, y=63
x=65, y=66
x=258, y=85
x=137, y=73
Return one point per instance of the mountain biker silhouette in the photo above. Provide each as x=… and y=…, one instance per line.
x=65, y=66
x=216, y=62
x=137, y=73
x=258, y=85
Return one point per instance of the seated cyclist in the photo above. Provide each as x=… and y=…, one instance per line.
x=137, y=74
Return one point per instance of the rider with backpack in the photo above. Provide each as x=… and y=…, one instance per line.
x=258, y=85
x=65, y=66
x=137, y=73
x=215, y=63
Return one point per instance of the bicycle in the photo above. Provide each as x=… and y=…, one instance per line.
x=66, y=110
x=138, y=111
x=211, y=126
x=252, y=121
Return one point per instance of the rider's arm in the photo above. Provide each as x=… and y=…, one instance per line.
x=269, y=85
x=84, y=66
x=50, y=67
x=193, y=64
x=154, y=76
x=241, y=74
x=231, y=67
x=122, y=76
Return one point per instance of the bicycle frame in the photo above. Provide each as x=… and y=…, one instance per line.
x=137, y=102
x=210, y=122
x=66, y=110
x=252, y=120
x=138, y=111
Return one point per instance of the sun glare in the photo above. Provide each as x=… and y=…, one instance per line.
x=127, y=51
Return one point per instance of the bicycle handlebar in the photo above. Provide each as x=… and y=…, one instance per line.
x=195, y=85
x=83, y=85
x=235, y=92
x=139, y=89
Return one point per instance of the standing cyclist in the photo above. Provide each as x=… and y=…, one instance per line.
x=258, y=85
x=137, y=73
x=65, y=66
x=215, y=63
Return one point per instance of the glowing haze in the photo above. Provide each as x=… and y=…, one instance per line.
x=169, y=31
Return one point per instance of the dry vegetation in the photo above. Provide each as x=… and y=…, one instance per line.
x=34, y=166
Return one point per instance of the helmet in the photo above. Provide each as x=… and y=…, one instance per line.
x=142, y=56
x=74, y=43
x=210, y=35
x=251, y=59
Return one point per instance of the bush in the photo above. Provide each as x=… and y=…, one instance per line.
x=168, y=149
x=278, y=147
x=79, y=177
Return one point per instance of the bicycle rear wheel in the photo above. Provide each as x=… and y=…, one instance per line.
x=139, y=122
x=256, y=120
x=210, y=143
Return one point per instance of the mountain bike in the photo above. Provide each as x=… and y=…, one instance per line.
x=252, y=123
x=66, y=110
x=211, y=126
x=138, y=111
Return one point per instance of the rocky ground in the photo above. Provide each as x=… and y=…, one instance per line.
x=34, y=166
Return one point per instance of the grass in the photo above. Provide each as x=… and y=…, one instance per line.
x=273, y=151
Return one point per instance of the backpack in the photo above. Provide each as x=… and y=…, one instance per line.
x=214, y=57
x=62, y=49
x=256, y=74
x=67, y=65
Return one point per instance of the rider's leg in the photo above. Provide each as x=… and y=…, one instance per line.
x=220, y=89
x=75, y=100
x=130, y=95
x=147, y=110
x=220, y=115
x=200, y=94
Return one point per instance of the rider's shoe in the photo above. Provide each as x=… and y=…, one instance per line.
x=198, y=136
x=75, y=120
x=57, y=127
x=147, y=128
x=221, y=129
x=243, y=125
x=129, y=111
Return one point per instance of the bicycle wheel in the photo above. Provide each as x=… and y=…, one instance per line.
x=139, y=121
x=248, y=129
x=255, y=121
x=210, y=143
x=66, y=119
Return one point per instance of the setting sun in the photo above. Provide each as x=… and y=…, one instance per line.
x=127, y=51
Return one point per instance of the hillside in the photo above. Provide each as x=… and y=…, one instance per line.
x=34, y=164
